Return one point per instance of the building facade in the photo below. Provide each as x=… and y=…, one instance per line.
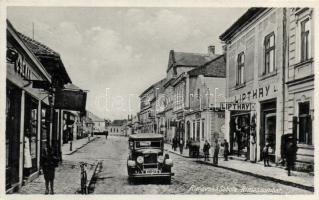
x=256, y=61
x=205, y=91
x=300, y=83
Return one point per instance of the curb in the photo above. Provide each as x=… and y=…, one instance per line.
x=75, y=150
x=177, y=153
x=289, y=183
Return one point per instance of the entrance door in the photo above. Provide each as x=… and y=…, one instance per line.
x=188, y=124
x=31, y=136
x=268, y=128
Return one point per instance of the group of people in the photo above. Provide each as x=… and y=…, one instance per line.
x=216, y=148
x=180, y=143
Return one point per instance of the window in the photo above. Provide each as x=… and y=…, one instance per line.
x=194, y=130
x=269, y=53
x=240, y=68
x=203, y=130
x=305, y=46
x=305, y=124
x=198, y=93
x=198, y=131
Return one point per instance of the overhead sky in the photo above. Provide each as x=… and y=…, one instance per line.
x=116, y=53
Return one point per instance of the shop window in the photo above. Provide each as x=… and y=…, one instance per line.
x=305, y=37
x=269, y=53
x=305, y=124
x=240, y=68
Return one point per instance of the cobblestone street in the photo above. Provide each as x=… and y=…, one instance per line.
x=190, y=177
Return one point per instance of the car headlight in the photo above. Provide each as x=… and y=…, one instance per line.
x=160, y=159
x=131, y=163
x=169, y=162
x=140, y=159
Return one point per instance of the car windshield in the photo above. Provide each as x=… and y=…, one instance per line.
x=146, y=144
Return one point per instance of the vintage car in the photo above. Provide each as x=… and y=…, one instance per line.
x=146, y=158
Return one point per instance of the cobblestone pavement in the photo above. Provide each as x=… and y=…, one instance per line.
x=190, y=177
x=67, y=175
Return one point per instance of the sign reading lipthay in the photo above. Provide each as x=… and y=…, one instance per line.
x=237, y=106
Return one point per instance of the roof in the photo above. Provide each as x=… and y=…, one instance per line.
x=158, y=84
x=37, y=47
x=146, y=136
x=214, y=68
x=43, y=51
x=187, y=59
x=118, y=122
x=246, y=18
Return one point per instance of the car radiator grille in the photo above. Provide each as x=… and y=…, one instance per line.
x=150, y=158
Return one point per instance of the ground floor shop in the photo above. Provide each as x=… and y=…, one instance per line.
x=27, y=126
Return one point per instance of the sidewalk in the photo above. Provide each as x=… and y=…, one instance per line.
x=298, y=179
x=67, y=174
x=76, y=145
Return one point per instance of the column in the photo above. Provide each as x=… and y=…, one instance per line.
x=21, y=137
x=39, y=135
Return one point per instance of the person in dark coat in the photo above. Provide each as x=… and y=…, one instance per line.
x=226, y=150
x=49, y=162
x=266, y=155
x=174, y=143
x=291, y=150
x=206, y=150
x=216, y=152
x=181, y=146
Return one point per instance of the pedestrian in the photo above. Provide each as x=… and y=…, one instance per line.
x=266, y=155
x=216, y=152
x=106, y=134
x=49, y=162
x=181, y=146
x=291, y=150
x=187, y=143
x=206, y=150
x=175, y=143
x=226, y=150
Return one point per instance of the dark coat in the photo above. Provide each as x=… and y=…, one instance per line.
x=206, y=148
x=226, y=148
x=49, y=162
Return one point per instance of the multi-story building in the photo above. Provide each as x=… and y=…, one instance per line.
x=147, y=112
x=178, y=64
x=205, y=89
x=255, y=87
x=300, y=83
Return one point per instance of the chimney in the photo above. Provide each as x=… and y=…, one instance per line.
x=211, y=50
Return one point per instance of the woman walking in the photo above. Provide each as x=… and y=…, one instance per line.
x=49, y=162
x=206, y=150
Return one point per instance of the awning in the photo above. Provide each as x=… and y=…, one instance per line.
x=70, y=100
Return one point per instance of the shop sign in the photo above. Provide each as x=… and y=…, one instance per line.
x=237, y=106
x=19, y=61
x=257, y=93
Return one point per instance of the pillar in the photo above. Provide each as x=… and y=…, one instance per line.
x=39, y=135
x=21, y=137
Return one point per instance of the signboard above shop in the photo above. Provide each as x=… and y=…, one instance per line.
x=237, y=106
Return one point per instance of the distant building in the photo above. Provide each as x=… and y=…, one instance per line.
x=117, y=127
x=98, y=123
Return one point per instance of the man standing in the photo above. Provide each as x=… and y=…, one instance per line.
x=206, y=150
x=226, y=150
x=181, y=146
x=216, y=152
x=106, y=134
x=291, y=150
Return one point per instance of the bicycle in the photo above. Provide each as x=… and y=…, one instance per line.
x=84, y=187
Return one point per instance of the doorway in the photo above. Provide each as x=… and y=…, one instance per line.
x=268, y=128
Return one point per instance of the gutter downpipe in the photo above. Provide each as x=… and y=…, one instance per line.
x=284, y=57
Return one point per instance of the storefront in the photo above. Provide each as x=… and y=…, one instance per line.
x=23, y=112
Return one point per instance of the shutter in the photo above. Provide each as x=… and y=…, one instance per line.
x=309, y=123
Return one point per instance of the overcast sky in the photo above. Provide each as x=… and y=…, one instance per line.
x=123, y=49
